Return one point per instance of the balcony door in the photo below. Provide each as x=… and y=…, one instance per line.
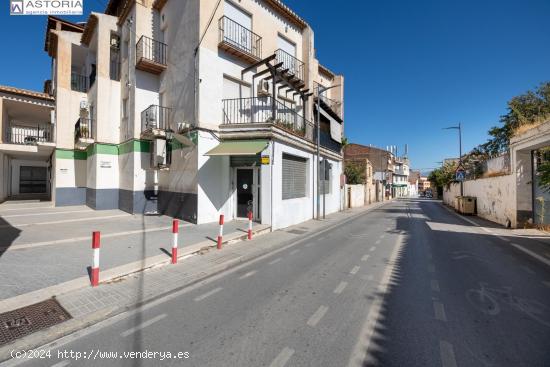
x=238, y=34
x=289, y=61
x=237, y=105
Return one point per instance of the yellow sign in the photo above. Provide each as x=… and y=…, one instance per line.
x=265, y=159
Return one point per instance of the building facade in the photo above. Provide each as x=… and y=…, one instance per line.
x=195, y=109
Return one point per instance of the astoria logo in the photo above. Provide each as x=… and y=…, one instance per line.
x=46, y=7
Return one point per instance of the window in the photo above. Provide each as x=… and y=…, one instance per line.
x=294, y=177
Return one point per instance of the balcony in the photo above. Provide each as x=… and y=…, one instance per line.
x=29, y=134
x=155, y=120
x=79, y=83
x=239, y=40
x=83, y=133
x=267, y=111
x=326, y=141
x=294, y=66
x=151, y=55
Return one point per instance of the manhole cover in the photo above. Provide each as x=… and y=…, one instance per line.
x=26, y=320
x=296, y=231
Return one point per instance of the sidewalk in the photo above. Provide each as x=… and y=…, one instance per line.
x=532, y=242
x=88, y=305
x=52, y=246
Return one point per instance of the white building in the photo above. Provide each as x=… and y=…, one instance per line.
x=400, y=177
x=159, y=109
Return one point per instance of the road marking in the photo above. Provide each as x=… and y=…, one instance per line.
x=389, y=228
x=317, y=316
x=282, y=358
x=365, y=258
x=528, y=269
x=382, y=236
x=531, y=253
x=359, y=356
x=546, y=284
x=142, y=325
x=439, y=311
x=249, y=274
x=431, y=268
x=340, y=287
x=62, y=363
x=377, y=242
x=503, y=238
x=87, y=238
x=354, y=270
x=434, y=284
x=447, y=354
x=275, y=261
x=207, y=294
x=64, y=221
x=294, y=251
x=372, y=248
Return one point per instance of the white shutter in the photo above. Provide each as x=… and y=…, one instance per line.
x=286, y=46
x=294, y=177
x=236, y=14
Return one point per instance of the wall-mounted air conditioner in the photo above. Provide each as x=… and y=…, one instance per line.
x=84, y=105
x=263, y=88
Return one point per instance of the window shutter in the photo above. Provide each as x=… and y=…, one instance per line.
x=294, y=177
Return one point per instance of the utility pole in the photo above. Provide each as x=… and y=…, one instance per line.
x=320, y=90
x=459, y=128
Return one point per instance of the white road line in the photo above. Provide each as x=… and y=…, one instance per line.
x=372, y=248
x=447, y=354
x=87, y=238
x=431, y=268
x=62, y=363
x=531, y=253
x=207, y=294
x=528, y=269
x=294, y=251
x=275, y=261
x=439, y=311
x=142, y=325
x=317, y=316
x=365, y=258
x=249, y=274
x=282, y=358
x=340, y=287
x=377, y=242
x=504, y=238
x=434, y=284
x=359, y=356
x=382, y=236
x=354, y=270
x=64, y=221
x=47, y=213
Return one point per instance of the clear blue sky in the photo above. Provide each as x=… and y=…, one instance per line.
x=411, y=67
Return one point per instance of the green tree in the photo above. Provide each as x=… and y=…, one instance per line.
x=355, y=173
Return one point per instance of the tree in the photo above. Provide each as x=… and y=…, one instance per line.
x=355, y=173
x=543, y=169
x=443, y=176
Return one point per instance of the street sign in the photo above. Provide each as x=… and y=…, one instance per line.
x=460, y=174
x=264, y=159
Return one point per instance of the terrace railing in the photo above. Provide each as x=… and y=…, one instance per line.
x=240, y=37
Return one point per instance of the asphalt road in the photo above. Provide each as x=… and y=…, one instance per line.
x=443, y=293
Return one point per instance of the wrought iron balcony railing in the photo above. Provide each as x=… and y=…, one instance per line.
x=156, y=117
x=151, y=54
x=30, y=135
x=83, y=129
x=240, y=38
x=266, y=110
x=295, y=67
x=79, y=83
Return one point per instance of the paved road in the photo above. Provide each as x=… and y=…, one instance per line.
x=455, y=296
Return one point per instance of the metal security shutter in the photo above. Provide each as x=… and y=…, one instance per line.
x=294, y=177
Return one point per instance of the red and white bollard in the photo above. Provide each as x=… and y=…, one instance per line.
x=175, y=229
x=250, y=225
x=220, y=235
x=95, y=261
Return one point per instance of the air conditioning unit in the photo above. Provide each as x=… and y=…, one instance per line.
x=263, y=88
x=115, y=42
x=151, y=118
x=159, y=154
x=84, y=105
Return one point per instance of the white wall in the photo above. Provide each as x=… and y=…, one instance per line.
x=354, y=196
x=495, y=197
x=4, y=180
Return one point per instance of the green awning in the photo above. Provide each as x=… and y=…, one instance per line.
x=239, y=147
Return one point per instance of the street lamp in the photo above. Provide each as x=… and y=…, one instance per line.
x=459, y=128
x=320, y=90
